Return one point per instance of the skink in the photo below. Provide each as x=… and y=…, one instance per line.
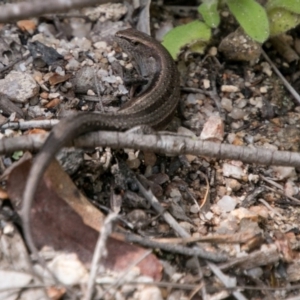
x=154, y=107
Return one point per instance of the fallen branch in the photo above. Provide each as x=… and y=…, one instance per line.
x=163, y=143
x=18, y=11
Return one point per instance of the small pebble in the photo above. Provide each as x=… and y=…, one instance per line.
x=72, y=64
x=53, y=95
x=230, y=170
x=266, y=69
x=241, y=103
x=8, y=229
x=44, y=95
x=123, y=90
x=290, y=188
x=255, y=272
x=244, y=213
x=227, y=203
x=213, y=51
x=253, y=178
x=233, y=184
x=19, y=87
x=133, y=163
x=206, y=83
x=175, y=194
x=100, y=45
x=191, y=99
x=149, y=293
x=194, y=209
x=213, y=129
x=229, y=88
x=281, y=172
x=263, y=89
x=60, y=71
x=226, y=104
x=68, y=269
x=260, y=210
x=90, y=93
x=109, y=79
x=237, y=113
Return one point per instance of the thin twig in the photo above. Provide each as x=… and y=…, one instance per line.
x=284, y=81
x=226, y=280
x=100, y=251
x=272, y=182
x=236, y=238
x=159, y=209
x=25, y=125
x=267, y=205
x=201, y=286
x=177, y=249
x=283, y=194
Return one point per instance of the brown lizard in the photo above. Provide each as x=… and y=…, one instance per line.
x=154, y=107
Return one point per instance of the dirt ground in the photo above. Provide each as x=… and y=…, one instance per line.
x=181, y=226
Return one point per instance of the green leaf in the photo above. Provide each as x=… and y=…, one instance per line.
x=17, y=155
x=291, y=5
x=187, y=34
x=209, y=12
x=252, y=17
x=282, y=20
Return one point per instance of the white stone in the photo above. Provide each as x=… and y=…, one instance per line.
x=230, y=170
x=73, y=64
x=18, y=86
x=206, y=83
x=227, y=204
x=68, y=269
x=100, y=45
x=53, y=95
x=284, y=172
x=229, y=88
x=213, y=51
x=213, y=129
x=266, y=69
x=290, y=188
x=150, y=293
x=194, y=209
x=90, y=93
x=263, y=89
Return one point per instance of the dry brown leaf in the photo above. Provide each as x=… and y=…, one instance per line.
x=3, y=194
x=27, y=25
x=53, y=103
x=55, y=293
x=64, y=219
x=56, y=78
x=36, y=131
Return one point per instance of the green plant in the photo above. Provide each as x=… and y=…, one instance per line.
x=195, y=34
x=259, y=22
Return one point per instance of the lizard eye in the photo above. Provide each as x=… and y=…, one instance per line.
x=134, y=43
